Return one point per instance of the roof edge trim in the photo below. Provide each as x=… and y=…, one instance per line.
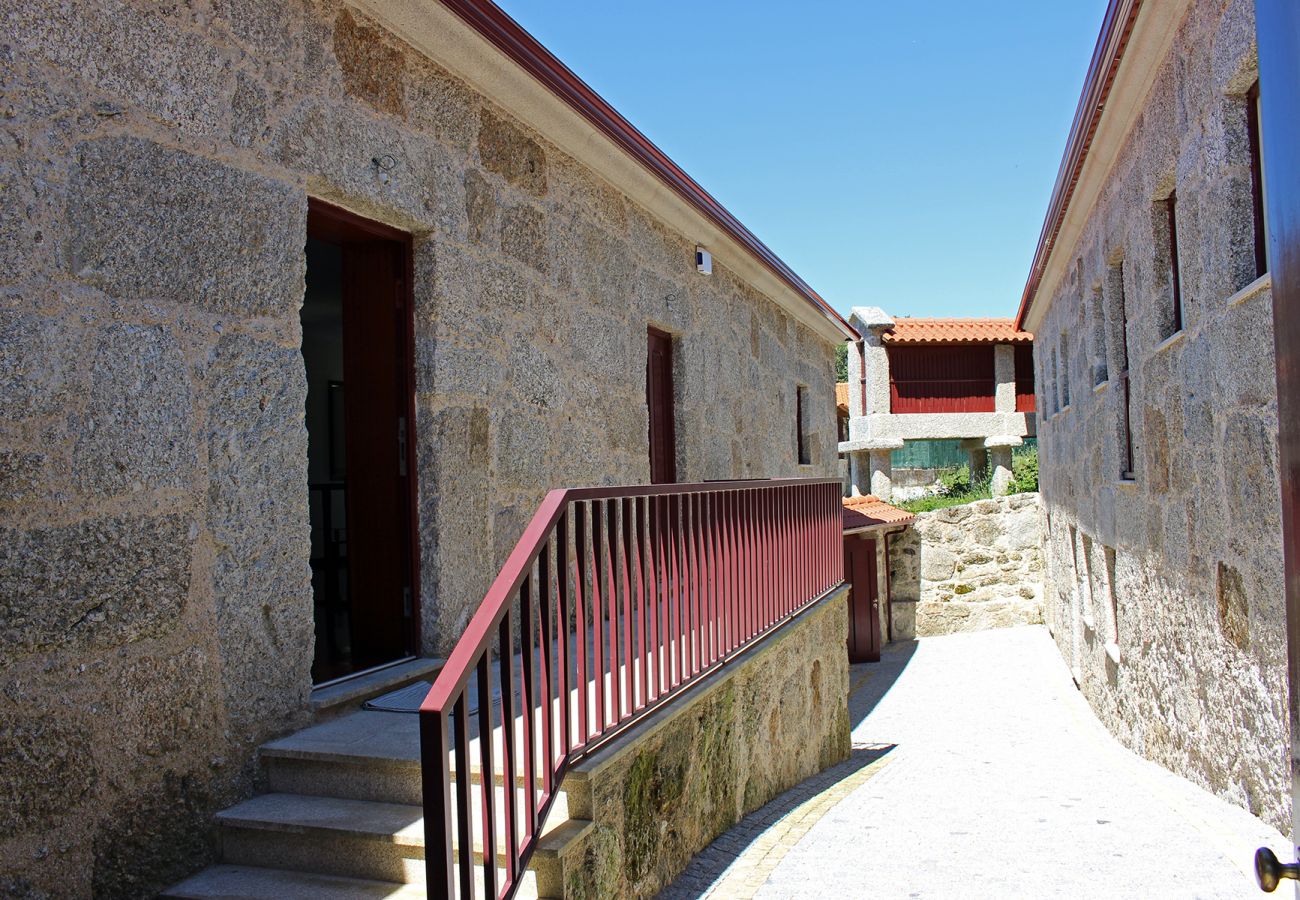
x=1116, y=28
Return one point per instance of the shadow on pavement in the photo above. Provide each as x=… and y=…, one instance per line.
x=870, y=682
x=713, y=861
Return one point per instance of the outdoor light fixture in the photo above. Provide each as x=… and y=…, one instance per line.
x=383, y=165
x=703, y=261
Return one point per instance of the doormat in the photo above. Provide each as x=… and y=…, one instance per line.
x=402, y=700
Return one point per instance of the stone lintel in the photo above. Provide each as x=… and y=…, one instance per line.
x=863, y=445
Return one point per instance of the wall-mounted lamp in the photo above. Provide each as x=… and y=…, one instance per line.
x=383, y=165
x=703, y=261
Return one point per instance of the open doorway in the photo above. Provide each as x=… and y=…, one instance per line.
x=357, y=349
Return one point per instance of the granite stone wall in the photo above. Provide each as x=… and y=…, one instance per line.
x=155, y=602
x=968, y=568
x=1164, y=592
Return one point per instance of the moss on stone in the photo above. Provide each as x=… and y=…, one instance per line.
x=963, y=589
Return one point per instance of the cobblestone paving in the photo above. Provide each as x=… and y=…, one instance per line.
x=978, y=771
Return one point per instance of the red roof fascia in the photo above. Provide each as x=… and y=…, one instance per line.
x=1116, y=28
x=510, y=38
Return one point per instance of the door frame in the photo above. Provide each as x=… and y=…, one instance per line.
x=1277, y=34
x=868, y=545
x=652, y=335
x=334, y=223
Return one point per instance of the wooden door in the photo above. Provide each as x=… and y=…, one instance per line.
x=864, y=599
x=377, y=459
x=376, y=478
x=659, y=403
x=1277, y=29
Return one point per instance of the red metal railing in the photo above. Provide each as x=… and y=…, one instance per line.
x=613, y=601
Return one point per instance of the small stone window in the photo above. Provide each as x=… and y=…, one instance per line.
x=1098, y=320
x=801, y=430
x=1257, y=180
x=1166, y=226
x=1113, y=595
x=1118, y=308
x=1054, y=396
x=1065, y=369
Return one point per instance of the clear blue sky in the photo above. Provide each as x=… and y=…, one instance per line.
x=893, y=154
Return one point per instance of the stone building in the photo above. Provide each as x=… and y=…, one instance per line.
x=1151, y=306
x=504, y=267
x=918, y=379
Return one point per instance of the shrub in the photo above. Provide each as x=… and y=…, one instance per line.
x=957, y=488
x=1024, y=470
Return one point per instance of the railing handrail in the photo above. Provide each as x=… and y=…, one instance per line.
x=518, y=564
x=703, y=571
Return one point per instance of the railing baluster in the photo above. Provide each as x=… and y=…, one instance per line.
x=436, y=789
x=688, y=588
x=614, y=695
x=780, y=515
x=487, y=780
x=697, y=591
x=628, y=678
x=683, y=532
x=528, y=707
x=671, y=616
x=464, y=802
x=653, y=590
x=597, y=616
x=563, y=681
x=710, y=569
x=770, y=564
x=747, y=557
x=509, y=769
x=728, y=572
x=547, y=661
x=638, y=556
x=580, y=614
x=780, y=591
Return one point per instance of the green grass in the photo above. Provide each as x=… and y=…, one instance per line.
x=958, y=489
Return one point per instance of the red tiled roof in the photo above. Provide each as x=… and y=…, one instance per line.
x=956, y=331
x=871, y=511
x=842, y=397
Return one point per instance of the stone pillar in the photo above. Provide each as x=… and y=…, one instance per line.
x=999, y=447
x=855, y=360
x=979, y=463
x=1004, y=378
x=882, y=474
x=859, y=473
x=873, y=369
x=1001, y=458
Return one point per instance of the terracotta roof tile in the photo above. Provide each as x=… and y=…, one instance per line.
x=870, y=511
x=842, y=397
x=955, y=331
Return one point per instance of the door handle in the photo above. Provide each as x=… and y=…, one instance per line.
x=1269, y=871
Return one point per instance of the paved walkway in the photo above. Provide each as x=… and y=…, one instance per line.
x=980, y=772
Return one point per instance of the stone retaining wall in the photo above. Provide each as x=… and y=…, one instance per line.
x=772, y=718
x=967, y=568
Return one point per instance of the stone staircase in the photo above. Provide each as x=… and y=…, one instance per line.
x=343, y=818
